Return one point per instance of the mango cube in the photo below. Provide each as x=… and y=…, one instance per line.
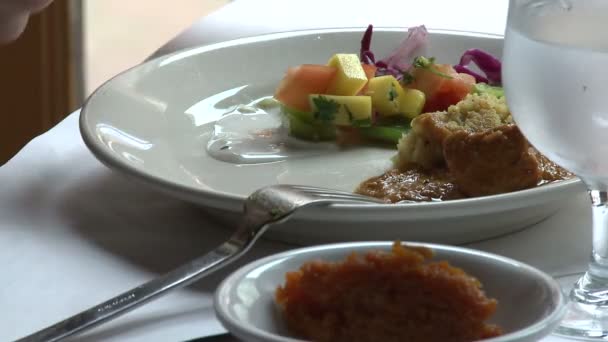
x=350, y=77
x=386, y=94
x=342, y=110
x=412, y=102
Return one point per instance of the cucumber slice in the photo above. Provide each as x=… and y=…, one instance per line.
x=306, y=117
x=301, y=129
x=483, y=88
x=390, y=134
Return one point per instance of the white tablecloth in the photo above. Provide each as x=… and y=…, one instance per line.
x=73, y=233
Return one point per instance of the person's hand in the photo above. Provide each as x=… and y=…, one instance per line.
x=14, y=15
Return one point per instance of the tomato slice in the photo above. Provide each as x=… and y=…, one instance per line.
x=301, y=81
x=370, y=70
x=442, y=92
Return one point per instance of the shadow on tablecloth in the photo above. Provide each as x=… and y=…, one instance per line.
x=147, y=228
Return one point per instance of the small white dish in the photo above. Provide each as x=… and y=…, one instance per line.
x=530, y=303
x=153, y=123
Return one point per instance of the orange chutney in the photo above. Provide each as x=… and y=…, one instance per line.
x=386, y=296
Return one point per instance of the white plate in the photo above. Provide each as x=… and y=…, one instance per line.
x=529, y=308
x=153, y=121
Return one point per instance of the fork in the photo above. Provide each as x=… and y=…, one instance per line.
x=262, y=208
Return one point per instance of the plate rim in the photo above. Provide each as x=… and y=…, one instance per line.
x=231, y=201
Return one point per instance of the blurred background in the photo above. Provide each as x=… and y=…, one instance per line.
x=74, y=46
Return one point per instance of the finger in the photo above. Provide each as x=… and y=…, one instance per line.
x=11, y=26
x=31, y=6
x=37, y=5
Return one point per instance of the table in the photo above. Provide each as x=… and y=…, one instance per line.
x=73, y=233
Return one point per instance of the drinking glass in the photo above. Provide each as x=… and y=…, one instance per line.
x=555, y=75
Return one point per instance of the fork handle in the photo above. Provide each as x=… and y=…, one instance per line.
x=127, y=301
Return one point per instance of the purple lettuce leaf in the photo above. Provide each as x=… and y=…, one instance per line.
x=410, y=47
x=487, y=64
x=365, y=53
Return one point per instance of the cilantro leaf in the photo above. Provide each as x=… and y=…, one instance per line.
x=422, y=62
x=326, y=108
x=429, y=64
x=408, y=78
x=392, y=93
x=350, y=114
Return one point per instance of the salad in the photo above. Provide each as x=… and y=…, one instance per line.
x=357, y=97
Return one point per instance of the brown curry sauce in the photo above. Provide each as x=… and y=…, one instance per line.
x=418, y=185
